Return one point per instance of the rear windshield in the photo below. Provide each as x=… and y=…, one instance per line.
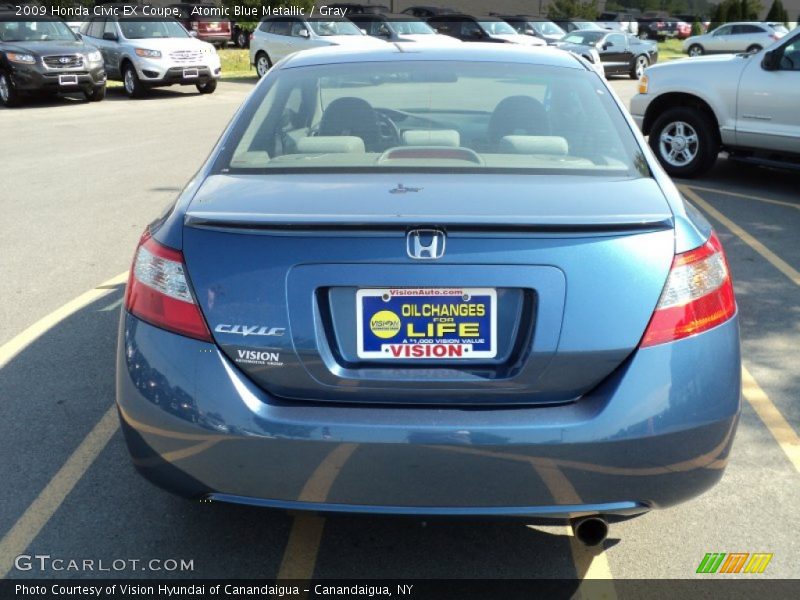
x=426, y=115
x=333, y=27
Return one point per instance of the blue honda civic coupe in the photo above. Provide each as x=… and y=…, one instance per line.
x=432, y=281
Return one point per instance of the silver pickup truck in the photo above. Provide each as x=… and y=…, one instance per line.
x=745, y=104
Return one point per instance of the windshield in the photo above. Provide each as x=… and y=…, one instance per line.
x=587, y=38
x=35, y=31
x=138, y=29
x=497, y=27
x=412, y=28
x=547, y=28
x=587, y=25
x=440, y=115
x=332, y=27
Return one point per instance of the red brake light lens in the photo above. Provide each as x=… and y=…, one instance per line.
x=159, y=292
x=698, y=295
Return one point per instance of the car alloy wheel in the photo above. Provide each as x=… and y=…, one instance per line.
x=696, y=51
x=241, y=40
x=262, y=65
x=641, y=64
x=678, y=144
x=5, y=91
x=130, y=84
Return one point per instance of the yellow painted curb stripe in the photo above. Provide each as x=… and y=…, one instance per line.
x=19, y=342
x=52, y=496
x=745, y=196
x=305, y=537
x=770, y=415
x=748, y=239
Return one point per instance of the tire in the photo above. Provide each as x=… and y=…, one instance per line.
x=696, y=50
x=208, y=87
x=131, y=83
x=684, y=141
x=754, y=48
x=263, y=64
x=640, y=63
x=242, y=39
x=9, y=97
x=96, y=94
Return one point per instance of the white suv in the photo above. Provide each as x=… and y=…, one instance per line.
x=746, y=104
x=146, y=53
x=734, y=37
x=277, y=37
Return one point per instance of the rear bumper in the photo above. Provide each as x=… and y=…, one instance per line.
x=656, y=433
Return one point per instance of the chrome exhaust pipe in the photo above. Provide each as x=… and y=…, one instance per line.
x=591, y=530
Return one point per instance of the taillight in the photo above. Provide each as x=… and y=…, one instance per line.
x=698, y=295
x=159, y=292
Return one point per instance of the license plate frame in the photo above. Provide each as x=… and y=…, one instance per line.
x=66, y=80
x=383, y=317
x=191, y=73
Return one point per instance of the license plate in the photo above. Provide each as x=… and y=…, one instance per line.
x=190, y=73
x=67, y=80
x=426, y=323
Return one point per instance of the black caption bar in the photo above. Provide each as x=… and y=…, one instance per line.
x=417, y=589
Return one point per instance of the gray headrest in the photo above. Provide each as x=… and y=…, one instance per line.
x=331, y=144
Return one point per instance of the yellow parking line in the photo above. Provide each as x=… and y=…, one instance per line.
x=591, y=562
x=52, y=496
x=744, y=196
x=19, y=342
x=771, y=417
x=766, y=410
x=28, y=526
x=305, y=537
x=748, y=239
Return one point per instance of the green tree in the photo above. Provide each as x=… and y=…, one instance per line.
x=570, y=9
x=697, y=27
x=777, y=12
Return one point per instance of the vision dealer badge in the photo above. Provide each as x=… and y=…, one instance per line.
x=261, y=358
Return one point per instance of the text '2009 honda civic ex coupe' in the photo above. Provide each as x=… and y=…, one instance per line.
x=451, y=272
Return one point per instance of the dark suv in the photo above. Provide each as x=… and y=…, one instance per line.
x=44, y=55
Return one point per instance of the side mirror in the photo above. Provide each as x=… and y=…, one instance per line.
x=476, y=35
x=193, y=33
x=110, y=36
x=78, y=35
x=529, y=31
x=771, y=61
x=303, y=33
x=605, y=46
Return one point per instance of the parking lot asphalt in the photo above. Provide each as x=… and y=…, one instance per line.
x=82, y=181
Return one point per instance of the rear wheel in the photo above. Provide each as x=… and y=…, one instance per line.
x=8, y=95
x=684, y=141
x=263, y=64
x=242, y=39
x=95, y=94
x=639, y=65
x=696, y=50
x=131, y=82
x=208, y=87
x=753, y=49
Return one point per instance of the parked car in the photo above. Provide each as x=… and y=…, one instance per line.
x=745, y=104
x=735, y=37
x=213, y=30
x=540, y=27
x=570, y=25
x=400, y=28
x=481, y=29
x=663, y=28
x=354, y=8
x=278, y=37
x=619, y=21
x=148, y=53
x=425, y=12
x=621, y=54
x=436, y=270
x=241, y=31
x=41, y=55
